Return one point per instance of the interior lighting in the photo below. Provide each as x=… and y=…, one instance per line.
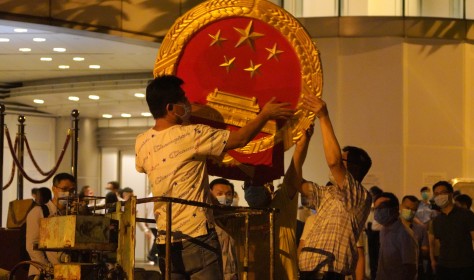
x=77, y=58
x=20, y=30
x=59, y=49
x=39, y=39
x=38, y=101
x=63, y=66
x=125, y=115
x=139, y=95
x=46, y=59
x=4, y=40
x=146, y=114
x=73, y=98
x=94, y=66
x=24, y=49
x=107, y=116
x=94, y=97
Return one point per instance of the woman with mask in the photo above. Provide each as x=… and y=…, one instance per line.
x=398, y=257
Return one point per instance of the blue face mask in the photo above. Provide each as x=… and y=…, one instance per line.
x=425, y=195
x=385, y=216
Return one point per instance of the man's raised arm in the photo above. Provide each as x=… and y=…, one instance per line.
x=332, y=150
x=271, y=110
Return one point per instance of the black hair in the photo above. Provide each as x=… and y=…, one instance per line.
x=63, y=176
x=44, y=194
x=392, y=202
x=221, y=181
x=160, y=92
x=464, y=199
x=448, y=186
x=83, y=190
x=358, y=162
x=127, y=189
x=412, y=198
x=423, y=189
x=115, y=185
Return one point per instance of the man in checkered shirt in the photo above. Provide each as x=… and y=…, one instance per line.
x=330, y=249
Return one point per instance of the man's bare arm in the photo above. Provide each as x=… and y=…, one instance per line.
x=332, y=150
x=271, y=110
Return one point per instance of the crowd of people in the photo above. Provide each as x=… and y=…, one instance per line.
x=427, y=238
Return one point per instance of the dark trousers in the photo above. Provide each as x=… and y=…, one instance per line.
x=196, y=258
x=460, y=273
x=373, y=242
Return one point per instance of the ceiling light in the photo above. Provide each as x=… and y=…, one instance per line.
x=46, y=59
x=20, y=30
x=107, y=116
x=94, y=97
x=63, y=66
x=125, y=115
x=94, y=66
x=77, y=58
x=39, y=39
x=38, y=101
x=4, y=40
x=139, y=95
x=59, y=49
x=73, y=98
x=146, y=114
x=24, y=49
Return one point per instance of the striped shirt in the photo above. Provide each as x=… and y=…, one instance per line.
x=331, y=243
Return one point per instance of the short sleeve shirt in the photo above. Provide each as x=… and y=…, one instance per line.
x=174, y=160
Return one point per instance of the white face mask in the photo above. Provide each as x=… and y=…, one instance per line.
x=63, y=202
x=222, y=199
x=442, y=200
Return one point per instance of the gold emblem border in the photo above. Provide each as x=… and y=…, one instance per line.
x=311, y=70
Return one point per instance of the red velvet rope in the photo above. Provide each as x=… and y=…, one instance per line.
x=12, y=175
x=63, y=151
x=20, y=168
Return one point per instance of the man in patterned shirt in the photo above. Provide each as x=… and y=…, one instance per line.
x=330, y=250
x=173, y=155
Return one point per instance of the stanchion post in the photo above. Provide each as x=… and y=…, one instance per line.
x=21, y=150
x=168, y=241
x=75, y=142
x=272, y=244
x=2, y=124
x=246, y=249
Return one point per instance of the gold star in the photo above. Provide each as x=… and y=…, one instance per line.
x=228, y=64
x=273, y=52
x=247, y=35
x=216, y=39
x=253, y=69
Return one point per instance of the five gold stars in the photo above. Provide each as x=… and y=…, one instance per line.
x=217, y=39
x=253, y=69
x=273, y=52
x=228, y=64
x=247, y=35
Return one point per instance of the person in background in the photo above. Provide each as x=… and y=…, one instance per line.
x=424, y=213
x=34, y=193
x=126, y=193
x=373, y=234
x=223, y=191
x=454, y=228
x=63, y=184
x=463, y=201
x=408, y=209
x=398, y=256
